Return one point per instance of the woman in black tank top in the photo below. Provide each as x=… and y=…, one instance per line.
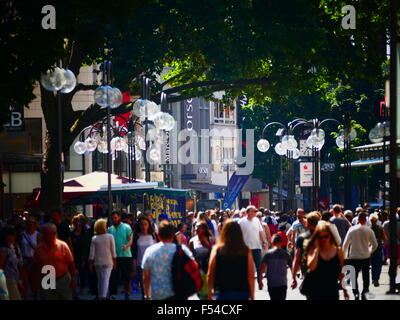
x=325, y=261
x=231, y=270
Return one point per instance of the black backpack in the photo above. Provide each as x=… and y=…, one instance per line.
x=186, y=276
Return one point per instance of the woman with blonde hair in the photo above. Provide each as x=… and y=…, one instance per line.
x=231, y=259
x=325, y=260
x=102, y=256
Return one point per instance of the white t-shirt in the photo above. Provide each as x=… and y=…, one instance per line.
x=251, y=232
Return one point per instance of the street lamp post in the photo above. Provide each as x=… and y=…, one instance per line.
x=286, y=147
x=61, y=81
x=316, y=140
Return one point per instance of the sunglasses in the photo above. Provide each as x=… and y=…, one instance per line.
x=324, y=236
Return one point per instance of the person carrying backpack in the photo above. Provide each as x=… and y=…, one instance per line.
x=158, y=263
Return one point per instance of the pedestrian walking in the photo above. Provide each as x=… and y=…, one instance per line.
x=377, y=255
x=143, y=237
x=253, y=235
x=362, y=242
x=80, y=239
x=267, y=233
x=339, y=220
x=300, y=256
x=231, y=268
x=123, y=237
x=56, y=253
x=325, y=260
x=298, y=227
x=11, y=262
x=157, y=264
x=63, y=229
x=29, y=242
x=201, y=245
x=275, y=264
x=102, y=257
x=387, y=232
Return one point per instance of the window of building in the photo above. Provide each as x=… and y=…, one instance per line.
x=224, y=113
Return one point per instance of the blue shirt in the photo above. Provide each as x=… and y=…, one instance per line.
x=158, y=260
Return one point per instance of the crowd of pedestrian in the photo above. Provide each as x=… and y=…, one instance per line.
x=233, y=249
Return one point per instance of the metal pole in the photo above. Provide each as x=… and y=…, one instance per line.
x=280, y=199
x=145, y=84
x=227, y=182
x=109, y=156
x=393, y=146
x=347, y=160
x=61, y=173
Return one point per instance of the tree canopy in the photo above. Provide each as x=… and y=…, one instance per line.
x=286, y=56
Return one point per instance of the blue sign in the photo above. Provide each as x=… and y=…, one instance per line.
x=235, y=185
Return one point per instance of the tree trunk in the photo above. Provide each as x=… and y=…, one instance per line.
x=50, y=171
x=50, y=175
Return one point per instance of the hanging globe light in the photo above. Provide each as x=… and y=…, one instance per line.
x=154, y=154
x=169, y=122
x=263, y=145
x=318, y=134
x=53, y=80
x=115, y=97
x=280, y=149
x=101, y=94
x=291, y=143
x=154, y=110
x=91, y=144
x=151, y=109
x=117, y=144
x=80, y=147
x=376, y=134
x=164, y=121
x=285, y=141
x=102, y=146
x=70, y=81
x=139, y=107
x=340, y=141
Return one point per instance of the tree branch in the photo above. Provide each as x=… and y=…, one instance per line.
x=221, y=85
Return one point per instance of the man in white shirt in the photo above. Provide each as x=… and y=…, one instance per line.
x=362, y=242
x=253, y=235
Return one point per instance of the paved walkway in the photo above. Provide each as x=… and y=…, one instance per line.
x=376, y=293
